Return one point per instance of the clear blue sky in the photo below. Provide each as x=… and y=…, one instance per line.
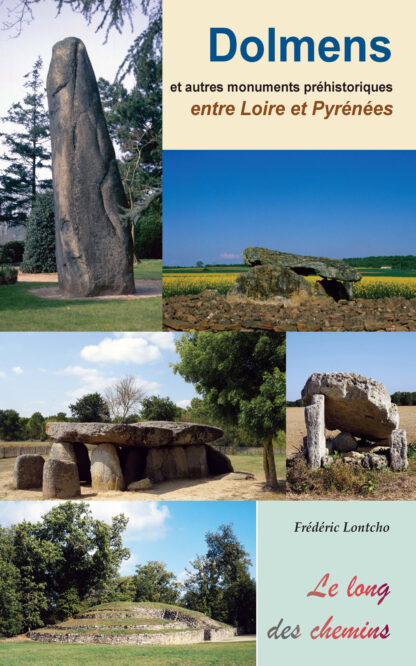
x=171, y=532
x=46, y=372
x=389, y=358
x=327, y=203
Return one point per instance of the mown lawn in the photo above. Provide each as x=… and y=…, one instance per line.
x=23, y=311
x=254, y=464
x=205, y=654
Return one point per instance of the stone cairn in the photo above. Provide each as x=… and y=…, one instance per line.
x=362, y=410
x=276, y=274
x=94, y=247
x=124, y=457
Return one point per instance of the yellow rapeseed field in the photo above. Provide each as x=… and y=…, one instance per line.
x=376, y=286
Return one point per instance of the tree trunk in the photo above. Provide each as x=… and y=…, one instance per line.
x=269, y=464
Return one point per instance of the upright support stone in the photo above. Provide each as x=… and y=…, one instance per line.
x=60, y=479
x=28, y=471
x=94, y=248
x=106, y=471
x=398, y=450
x=315, y=428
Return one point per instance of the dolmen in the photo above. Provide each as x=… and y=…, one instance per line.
x=127, y=457
x=275, y=274
x=361, y=408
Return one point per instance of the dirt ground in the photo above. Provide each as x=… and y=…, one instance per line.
x=404, y=487
x=296, y=429
x=144, y=289
x=232, y=486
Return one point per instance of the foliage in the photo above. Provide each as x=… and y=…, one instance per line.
x=91, y=408
x=156, y=408
x=395, y=261
x=8, y=275
x=295, y=403
x=28, y=151
x=404, y=397
x=10, y=427
x=57, y=562
x=152, y=582
x=39, y=254
x=374, y=287
x=242, y=379
x=219, y=583
x=36, y=427
x=148, y=232
x=12, y=252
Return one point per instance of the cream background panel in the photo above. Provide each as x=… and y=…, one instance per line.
x=186, y=59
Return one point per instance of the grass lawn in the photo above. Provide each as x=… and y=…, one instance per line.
x=22, y=311
x=205, y=654
x=254, y=464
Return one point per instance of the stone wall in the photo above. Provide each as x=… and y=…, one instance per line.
x=169, y=638
x=14, y=451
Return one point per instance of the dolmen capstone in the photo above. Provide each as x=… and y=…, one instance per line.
x=94, y=247
x=275, y=274
x=361, y=408
x=129, y=457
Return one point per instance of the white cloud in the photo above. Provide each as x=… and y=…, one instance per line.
x=147, y=520
x=95, y=381
x=182, y=576
x=125, y=349
x=161, y=340
x=17, y=370
x=183, y=403
x=2, y=374
x=127, y=567
x=230, y=255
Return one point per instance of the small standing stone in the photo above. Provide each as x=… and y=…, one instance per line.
x=28, y=471
x=60, y=479
x=398, y=450
x=196, y=457
x=143, y=484
x=315, y=427
x=106, y=472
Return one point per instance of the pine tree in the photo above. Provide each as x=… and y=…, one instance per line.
x=27, y=151
x=39, y=253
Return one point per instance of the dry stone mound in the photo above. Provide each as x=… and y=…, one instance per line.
x=136, y=624
x=355, y=404
x=94, y=248
x=28, y=471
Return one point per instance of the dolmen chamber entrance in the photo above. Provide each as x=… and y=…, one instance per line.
x=123, y=457
x=362, y=410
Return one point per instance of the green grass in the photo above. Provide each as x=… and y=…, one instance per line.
x=56, y=654
x=254, y=464
x=22, y=311
x=148, y=269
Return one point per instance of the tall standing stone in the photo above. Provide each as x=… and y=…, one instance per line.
x=94, y=248
x=315, y=427
x=398, y=450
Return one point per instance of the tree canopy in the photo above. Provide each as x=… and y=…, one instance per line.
x=152, y=582
x=48, y=568
x=219, y=583
x=90, y=408
x=241, y=377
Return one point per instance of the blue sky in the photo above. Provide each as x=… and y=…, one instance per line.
x=326, y=203
x=389, y=358
x=47, y=371
x=171, y=532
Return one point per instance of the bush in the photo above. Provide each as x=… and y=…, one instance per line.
x=12, y=252
x=8, y=275
x=39, y=254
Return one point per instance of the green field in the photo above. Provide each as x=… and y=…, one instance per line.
x=254, y=464
x=23, y=311
x=56, y=654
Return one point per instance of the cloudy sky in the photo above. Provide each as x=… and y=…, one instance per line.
x=171, y=532
x=47, y=371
